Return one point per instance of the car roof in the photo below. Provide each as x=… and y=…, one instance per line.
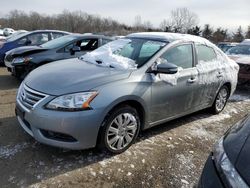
x=46, y=30
x=90, y=36
x=168, y=37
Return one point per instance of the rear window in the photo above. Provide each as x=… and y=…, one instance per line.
x=205, y=53
x=240, y=49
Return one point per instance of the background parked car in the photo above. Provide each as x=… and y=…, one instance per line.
x=27, y=39
x=2, y=37
x=224, y=46
x=20, y=61
x=8, y=31
x=241, y=54
x=107, y=96
x=229, y=163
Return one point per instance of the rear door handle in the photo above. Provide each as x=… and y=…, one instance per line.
x=191, y=80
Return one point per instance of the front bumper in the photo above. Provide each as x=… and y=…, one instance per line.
x=72, y=130
x=210, y=177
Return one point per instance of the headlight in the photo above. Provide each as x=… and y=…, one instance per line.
x=72, y=102
x=20, y=60
x=225, y=167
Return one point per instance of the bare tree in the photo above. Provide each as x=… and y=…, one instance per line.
x=165, y=26
x=182, y=20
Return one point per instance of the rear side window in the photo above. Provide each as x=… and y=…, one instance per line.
x=57, y=35
x=181, y=56
x=38, y=38
x=105, y=41
x=205, y=53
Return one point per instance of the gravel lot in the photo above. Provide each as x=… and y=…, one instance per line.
x=170, y=155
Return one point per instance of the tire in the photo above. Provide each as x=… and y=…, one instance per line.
x=120, y=129
x=220, y=100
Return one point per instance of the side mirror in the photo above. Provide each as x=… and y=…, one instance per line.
x=74, y=50
x=164, y=67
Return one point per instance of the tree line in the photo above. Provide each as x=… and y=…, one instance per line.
x=181, y=20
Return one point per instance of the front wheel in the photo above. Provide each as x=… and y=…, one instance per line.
x=220, y=100
x=120, y=129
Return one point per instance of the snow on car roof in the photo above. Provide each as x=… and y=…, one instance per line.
x=170, y=37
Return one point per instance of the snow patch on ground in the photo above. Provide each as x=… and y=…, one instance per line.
x=10, y=150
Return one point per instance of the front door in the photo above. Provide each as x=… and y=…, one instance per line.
x=175, y=94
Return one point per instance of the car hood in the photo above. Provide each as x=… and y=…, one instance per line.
x=26, y=50
x=237, y=147
x=241, y=59
x=70, y=76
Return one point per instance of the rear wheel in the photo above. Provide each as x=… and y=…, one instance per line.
x=220, y=100
x=120, y=129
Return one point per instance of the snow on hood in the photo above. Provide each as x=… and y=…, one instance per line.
x=106, y=56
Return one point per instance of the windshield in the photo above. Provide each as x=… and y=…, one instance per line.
x=240, y=49
x=127, y=53
x=58, y=42
x=16, y=37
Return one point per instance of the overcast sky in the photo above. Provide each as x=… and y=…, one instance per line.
x=218, y=13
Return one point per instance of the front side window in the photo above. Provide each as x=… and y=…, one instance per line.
x=181, y=56
x=87, y=44
x=205, y=53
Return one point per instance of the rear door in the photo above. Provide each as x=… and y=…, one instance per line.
x=210, y=74
x=173, y=95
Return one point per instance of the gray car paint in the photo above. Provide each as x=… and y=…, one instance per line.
x=160, y=102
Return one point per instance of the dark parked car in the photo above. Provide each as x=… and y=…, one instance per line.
x=229, y=164
x=224, y=46
x=241, y=54
x=28, y=39
x=22, y=60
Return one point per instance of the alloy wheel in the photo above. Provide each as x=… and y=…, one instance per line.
x=121, y=131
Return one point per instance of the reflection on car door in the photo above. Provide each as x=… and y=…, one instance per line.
x=171, y=100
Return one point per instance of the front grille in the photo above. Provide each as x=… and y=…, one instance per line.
x=28, y=97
